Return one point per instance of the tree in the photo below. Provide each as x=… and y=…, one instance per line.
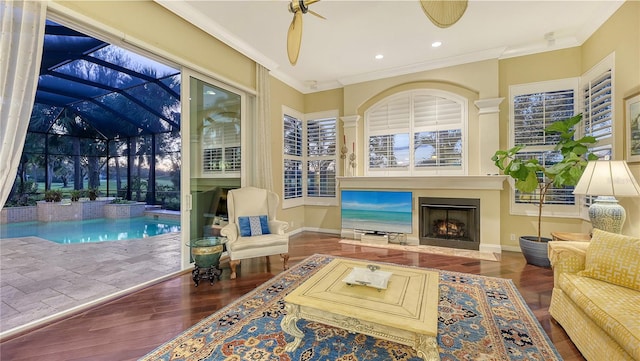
x=530, y=175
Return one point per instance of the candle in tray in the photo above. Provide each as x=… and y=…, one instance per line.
x=354, y=147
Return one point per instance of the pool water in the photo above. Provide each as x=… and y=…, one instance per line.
x=93, y=230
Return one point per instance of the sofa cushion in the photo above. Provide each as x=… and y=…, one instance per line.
x=613, y=308
x=258, y=242
x=253, y=225
x=613, y=258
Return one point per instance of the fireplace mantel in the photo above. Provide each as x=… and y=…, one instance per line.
x=471, y=182
x=487, y=188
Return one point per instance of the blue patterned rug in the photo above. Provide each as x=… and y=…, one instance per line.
x=480, y=318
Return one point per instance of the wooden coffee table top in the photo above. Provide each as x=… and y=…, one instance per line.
x=409, y=302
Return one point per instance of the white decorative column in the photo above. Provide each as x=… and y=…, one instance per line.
x=350, y=139
x=489, y=126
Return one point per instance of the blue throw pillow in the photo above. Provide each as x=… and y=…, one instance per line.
x=253, y=226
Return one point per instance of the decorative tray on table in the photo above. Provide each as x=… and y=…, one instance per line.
x=370, y=277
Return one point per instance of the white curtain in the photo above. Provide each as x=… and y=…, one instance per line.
x=263, y=177
x=21, y=37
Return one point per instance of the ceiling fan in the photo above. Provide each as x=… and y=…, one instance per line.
x=443, y=13
x=294, y=35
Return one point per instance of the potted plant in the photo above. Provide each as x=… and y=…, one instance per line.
x=53, y=195
x=75, y=195
x=532, y=177
x=92, y=193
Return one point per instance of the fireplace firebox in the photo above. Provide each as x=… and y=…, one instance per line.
x=450, y=222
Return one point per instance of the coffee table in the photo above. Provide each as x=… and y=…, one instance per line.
x=405, y=312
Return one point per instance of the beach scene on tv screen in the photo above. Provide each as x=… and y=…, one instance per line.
x=377, y=211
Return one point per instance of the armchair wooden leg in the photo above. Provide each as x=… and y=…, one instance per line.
x=233, y=265
x=285, y=260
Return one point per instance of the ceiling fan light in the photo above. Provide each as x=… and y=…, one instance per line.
x=444, y=13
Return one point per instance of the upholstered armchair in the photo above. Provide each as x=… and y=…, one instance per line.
x=253, y=230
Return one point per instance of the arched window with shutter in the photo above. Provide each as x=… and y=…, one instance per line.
x=417, y=132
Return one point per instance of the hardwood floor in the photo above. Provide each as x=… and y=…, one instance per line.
x=131, y=326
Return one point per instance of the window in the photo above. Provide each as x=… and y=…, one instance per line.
x=321, y=158
x=292, y=158
x=310, y=158
x=221, y=129
x=533, y=108
x=597, y=102
x=417, y=132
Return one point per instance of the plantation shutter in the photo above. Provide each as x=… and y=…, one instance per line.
x=534, y=112
x=597, y=115
x=292, y=143
x=437, y=123
x=321, y=157
x=420, y=130
x=292, y=136
x=431, y=112
x=221, y=148
x=391, y=117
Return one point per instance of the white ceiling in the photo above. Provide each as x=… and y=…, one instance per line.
x=340, y=50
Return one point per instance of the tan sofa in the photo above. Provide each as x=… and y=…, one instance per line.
x=596, y=294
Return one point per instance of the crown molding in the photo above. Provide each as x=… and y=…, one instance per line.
x=187, y=12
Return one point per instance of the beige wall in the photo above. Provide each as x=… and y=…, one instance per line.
x=529, y=69
x=321, y=218
x=282, y=94
x=152, y=24
x=620, y=34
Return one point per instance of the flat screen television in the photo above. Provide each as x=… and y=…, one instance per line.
x=377, y=211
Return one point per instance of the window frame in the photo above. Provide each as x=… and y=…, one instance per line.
x=305, y=199
x=531, y=209
x=324, y=200
x=604, y=146
x=298, y=200
x=411, y=129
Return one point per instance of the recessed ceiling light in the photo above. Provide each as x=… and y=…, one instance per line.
x=436, y=44
x=379, y=56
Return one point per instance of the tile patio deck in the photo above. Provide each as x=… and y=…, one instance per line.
x=40, y=278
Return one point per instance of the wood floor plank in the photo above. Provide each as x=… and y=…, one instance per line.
x=133, y=325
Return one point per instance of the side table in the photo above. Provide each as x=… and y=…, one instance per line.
x=206, y=253
x=570, y=236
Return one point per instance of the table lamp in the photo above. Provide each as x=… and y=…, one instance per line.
x=607, y=179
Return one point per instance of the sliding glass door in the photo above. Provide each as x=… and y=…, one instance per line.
x=213, y=142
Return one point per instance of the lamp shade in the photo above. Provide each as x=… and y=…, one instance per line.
x=607, y=178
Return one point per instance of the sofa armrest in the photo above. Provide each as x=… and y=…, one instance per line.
x=566, y=257
x=278, y=227
x=230, y=231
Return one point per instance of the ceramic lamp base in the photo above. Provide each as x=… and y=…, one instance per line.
x=606, y=214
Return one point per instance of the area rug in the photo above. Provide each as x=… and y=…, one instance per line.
x=480, y=318
x=445, y=251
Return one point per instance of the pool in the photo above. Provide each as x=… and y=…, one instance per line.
x=92, y=230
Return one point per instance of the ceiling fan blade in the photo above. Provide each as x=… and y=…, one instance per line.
x=444, y=13
x=316, y=14
x=294, y=38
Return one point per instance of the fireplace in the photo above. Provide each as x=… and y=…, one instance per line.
x=450, y=222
